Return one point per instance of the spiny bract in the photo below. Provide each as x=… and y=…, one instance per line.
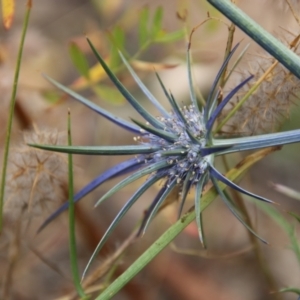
x=178, y=147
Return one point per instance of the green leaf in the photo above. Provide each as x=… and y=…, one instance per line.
x=109, y=94
x=143, y=26
x=157, y=22
x=290, y=289
x=79, y=60
x=118, y=41
x=118, y=38
x=51, y=96
x=296, y=216
x=174, y=36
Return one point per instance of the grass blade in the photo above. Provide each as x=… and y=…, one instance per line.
x=11, y=109
x=72, y=234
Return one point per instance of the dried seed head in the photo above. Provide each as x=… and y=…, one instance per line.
x=36, y=179
x=271, y=102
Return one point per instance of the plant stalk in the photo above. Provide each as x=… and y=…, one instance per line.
x=268, y=42
x=11, y=109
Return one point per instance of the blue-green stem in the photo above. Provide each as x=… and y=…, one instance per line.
x=11, y=109
x=284, y=55
x=177, y=228
x=147, y=256
x=72, y=233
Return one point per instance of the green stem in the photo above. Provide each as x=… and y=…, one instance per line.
x=147, y=256
x=177, y=228
x=72, y=234
x=284, y=55
x=11, y=109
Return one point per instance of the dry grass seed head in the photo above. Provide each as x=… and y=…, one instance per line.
x=270, y=103
x=36, y=179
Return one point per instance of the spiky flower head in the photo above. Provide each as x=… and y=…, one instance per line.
x=177, y=147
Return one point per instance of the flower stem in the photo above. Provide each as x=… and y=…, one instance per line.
x=178, y=227
x=284, y=55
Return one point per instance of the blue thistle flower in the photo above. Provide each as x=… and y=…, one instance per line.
x=177, y=147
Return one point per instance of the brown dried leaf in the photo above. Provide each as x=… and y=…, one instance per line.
x=8, y=12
